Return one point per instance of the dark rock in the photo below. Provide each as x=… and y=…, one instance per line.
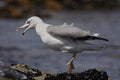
x=25, y=72
x=8, y=73
x=91, y=74
x=35, y=74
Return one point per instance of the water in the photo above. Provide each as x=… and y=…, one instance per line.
x=29, y=49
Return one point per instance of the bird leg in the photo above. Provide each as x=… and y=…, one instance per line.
x=70, y=64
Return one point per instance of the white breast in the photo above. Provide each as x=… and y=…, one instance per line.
x=52, y=42
x=48, y=39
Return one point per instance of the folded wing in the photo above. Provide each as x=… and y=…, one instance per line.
x=69, y=31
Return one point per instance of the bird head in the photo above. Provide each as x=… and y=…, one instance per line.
x=29, y=24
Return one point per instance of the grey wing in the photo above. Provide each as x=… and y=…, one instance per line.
x=67, y=31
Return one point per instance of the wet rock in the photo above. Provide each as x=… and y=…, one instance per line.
x=91, y=74
x=25, y=72
x=35, y=74
x=8, y=73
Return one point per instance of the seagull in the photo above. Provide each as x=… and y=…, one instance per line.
x=64, y=38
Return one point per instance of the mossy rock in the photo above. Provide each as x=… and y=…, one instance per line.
x=35, y=74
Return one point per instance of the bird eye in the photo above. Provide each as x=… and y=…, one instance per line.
x=28, y=22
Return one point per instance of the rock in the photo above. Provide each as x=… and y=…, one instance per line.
x=8, y=73
x=25, y=72
x=91, y=74
x=35, y=74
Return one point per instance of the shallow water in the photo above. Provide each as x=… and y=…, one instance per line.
x=29, y=49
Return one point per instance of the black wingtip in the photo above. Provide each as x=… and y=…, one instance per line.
x=94, y=38
x=99, y=38
x=106, y=40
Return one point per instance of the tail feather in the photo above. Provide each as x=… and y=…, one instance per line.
x=95, y=34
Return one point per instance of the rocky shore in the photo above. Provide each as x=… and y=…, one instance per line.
x=24, y=72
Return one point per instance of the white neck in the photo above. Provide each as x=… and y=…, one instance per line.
x=41, y=28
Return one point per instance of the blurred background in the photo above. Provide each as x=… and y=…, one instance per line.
x=23, y=8
x=102, y=16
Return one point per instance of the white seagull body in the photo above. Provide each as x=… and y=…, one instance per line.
x=64, y=38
